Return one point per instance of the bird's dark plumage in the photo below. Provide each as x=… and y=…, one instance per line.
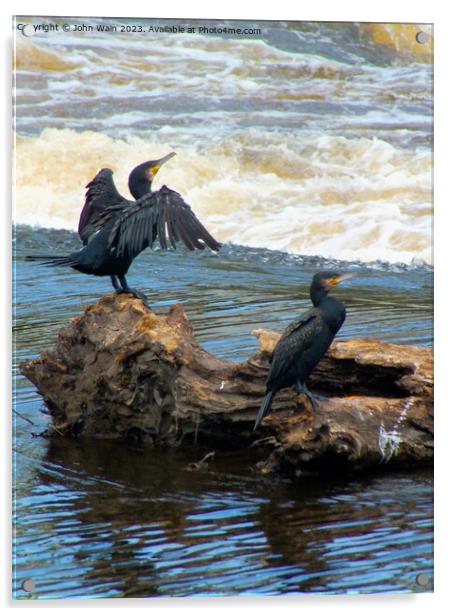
x=305, y=341
x=161, y=215
x=114, y=230
x=100, y=196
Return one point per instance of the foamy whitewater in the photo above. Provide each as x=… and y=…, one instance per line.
x=312, y=139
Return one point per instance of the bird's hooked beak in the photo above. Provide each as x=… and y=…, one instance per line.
x=156, y=164
x=335, y=280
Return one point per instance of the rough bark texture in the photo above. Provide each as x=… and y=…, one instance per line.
x=120, y=371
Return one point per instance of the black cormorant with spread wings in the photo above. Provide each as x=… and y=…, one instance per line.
x=114, y=230
x=305, y=341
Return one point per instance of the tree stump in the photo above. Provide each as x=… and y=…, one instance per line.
x=119, y=371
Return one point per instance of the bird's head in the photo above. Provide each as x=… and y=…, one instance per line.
x=323, y=282
x=140, y=179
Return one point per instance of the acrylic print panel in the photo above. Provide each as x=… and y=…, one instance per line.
x=302, y=147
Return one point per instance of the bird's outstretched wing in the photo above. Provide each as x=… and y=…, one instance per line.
x=161, y=215
x=101, y=200
x=295, y=340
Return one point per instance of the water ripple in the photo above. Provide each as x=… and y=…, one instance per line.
x=95, y=519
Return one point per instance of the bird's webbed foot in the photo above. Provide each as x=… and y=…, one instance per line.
x=139, y=295
x=301, y=388
x=126, y=289
x=136, y=294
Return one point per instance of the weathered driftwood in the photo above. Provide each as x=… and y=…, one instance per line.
x=120, y=371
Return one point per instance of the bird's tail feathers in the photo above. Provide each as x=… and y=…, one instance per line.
x=265, y=407
x=51, y=259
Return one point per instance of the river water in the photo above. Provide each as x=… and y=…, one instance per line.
x=304, y=147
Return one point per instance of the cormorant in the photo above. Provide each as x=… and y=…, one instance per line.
x=305, y=341
x=114, y=230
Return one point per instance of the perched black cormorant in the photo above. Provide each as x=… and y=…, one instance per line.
x=305, y=341
x=114, y=230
